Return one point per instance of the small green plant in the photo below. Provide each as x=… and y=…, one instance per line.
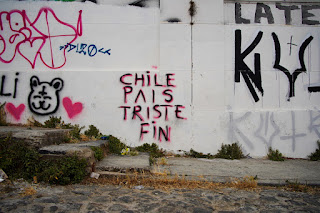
x=3, y=121
x=98, y=152
x=18, y=160
x=31, y=122
x=115, y=145
x=275, y=155
x=152, y=160
x=153, y=150
x=56, y=122
x=315, y=156
x=296, y=186
x=230, y=151
x=196, y=154
x=53, y=122
x=63, y=171
x=75, y=132
x=93, y=132
x=162, y=161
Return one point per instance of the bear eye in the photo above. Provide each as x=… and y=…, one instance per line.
x=37, y=96
x=47, y=97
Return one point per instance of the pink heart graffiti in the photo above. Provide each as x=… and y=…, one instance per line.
x=15, y=111
x=72, y=109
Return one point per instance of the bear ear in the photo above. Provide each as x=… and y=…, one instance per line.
x=57, y=84
x=34, y=81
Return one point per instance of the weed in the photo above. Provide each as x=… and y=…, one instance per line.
x=152, y=160
x=153, y=150
x=115, y=145
x=162, y=161
x=315, y=156
x=28, y=191
x=275, y=155
x=53, y=122
x=160, y=180
x=33, y=122
x=230, y=151
x=98, y=153
x=196, y=154
x=3, y=120
x=296, y=186
x=248, y=182
x=83, y=137
x=75, y=131
x=56, y=122
x=93, y=132
x=18, y=160
x=63, y=171
x=133, y=153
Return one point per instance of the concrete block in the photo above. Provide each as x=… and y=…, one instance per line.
x=123, y=164
x=35, y=137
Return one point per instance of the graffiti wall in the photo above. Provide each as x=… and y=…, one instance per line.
x=183, y=74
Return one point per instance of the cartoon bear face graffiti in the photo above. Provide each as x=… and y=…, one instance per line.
x=44, y=96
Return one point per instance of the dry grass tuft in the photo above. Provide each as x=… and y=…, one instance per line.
x=162, y=180
x=162, y=161
x=29, y=191
x=248, y=183
x=158, y=180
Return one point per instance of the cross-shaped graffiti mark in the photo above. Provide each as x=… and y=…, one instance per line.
x=234, y=129
x=294, y=134
x=313, y=125
x=265, y=124
x=290, y=43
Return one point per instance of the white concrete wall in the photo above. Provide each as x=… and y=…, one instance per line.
x=192, y=58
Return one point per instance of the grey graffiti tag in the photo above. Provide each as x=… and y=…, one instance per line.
x=233, y=130
x=264, y=125
x=294, y=134
x=314, y=126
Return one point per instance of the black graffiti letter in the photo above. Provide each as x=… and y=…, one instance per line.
x=287, y=11
x=238, y=18
x=314, y=89
x=291, y=77
x=305, y=14
x=267, y=14
x=242, y=67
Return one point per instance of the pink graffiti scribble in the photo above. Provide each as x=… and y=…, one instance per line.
x=154, y=67
x=72, y=109
x=16, y=112
x=40, y=38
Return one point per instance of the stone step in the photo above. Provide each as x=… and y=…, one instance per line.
x=113, y=164
x=36, y=137
x=82, y=150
